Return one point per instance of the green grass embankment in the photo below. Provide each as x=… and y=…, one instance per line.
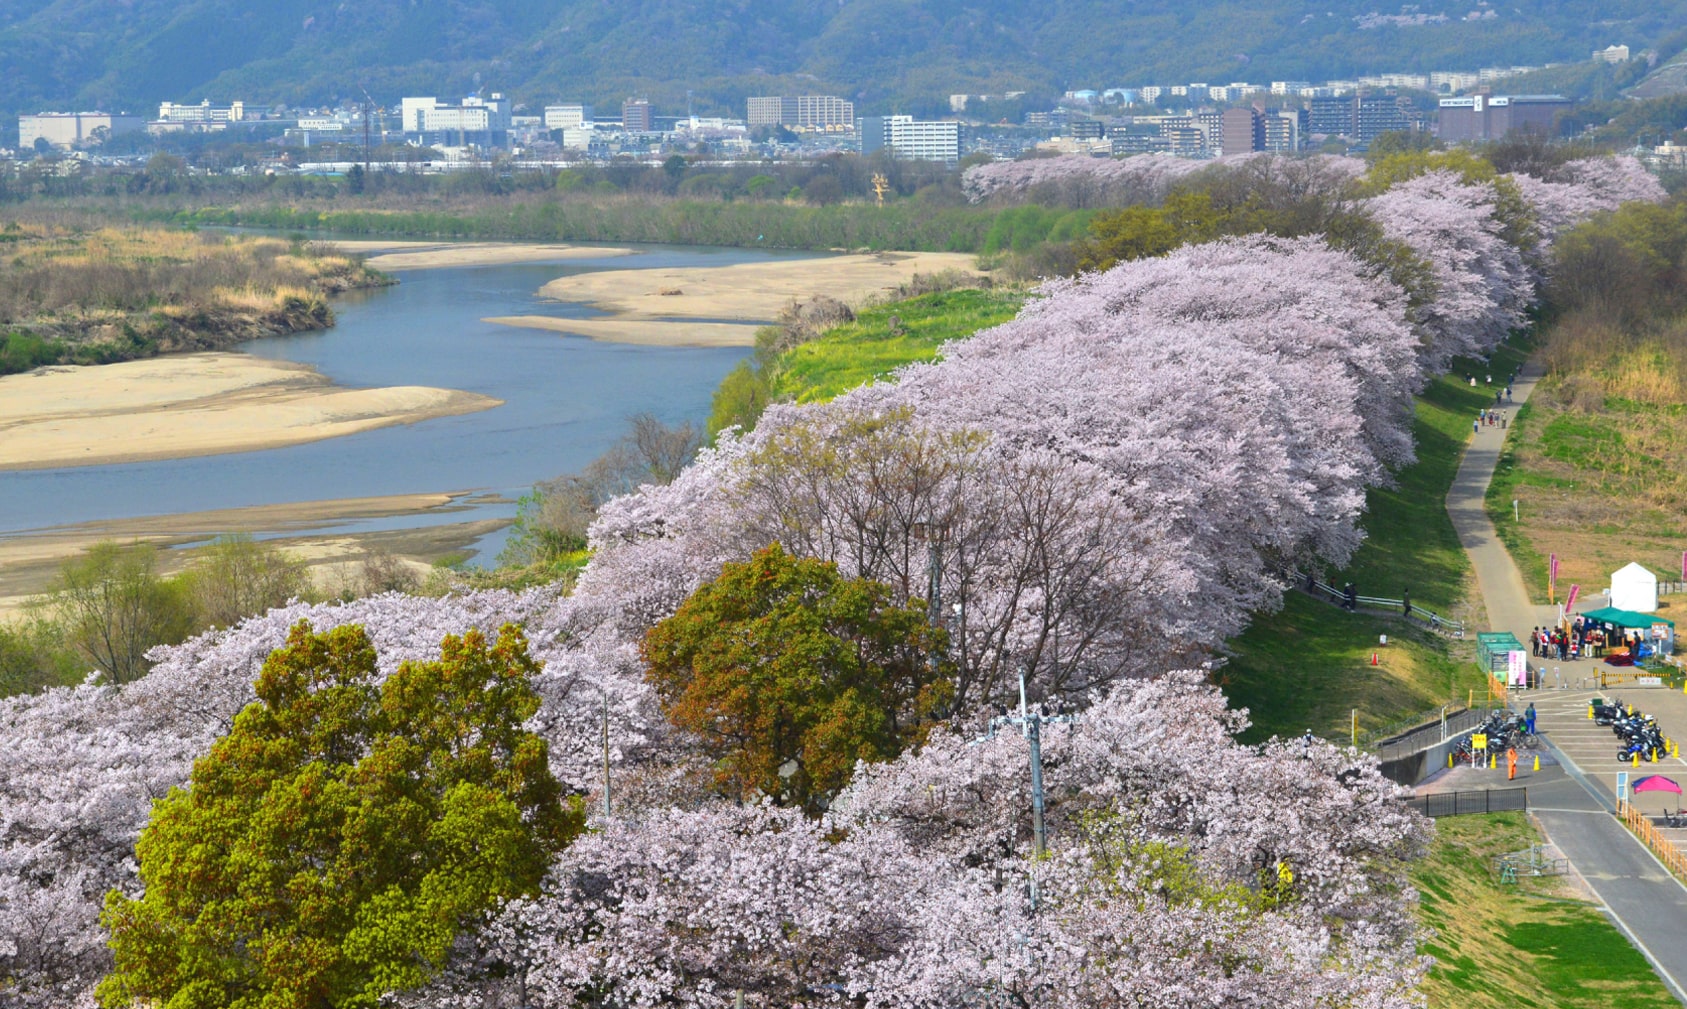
x=1308, y=666
x=885, y=337
x=881, y=338
x=1532, y=943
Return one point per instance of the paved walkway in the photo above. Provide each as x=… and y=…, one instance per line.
x=1644, y=900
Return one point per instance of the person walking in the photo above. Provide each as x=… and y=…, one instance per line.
x=1476, y=426
x=1306, y=745
x=1529, y=717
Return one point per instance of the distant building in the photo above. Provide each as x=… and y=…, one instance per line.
x=911, y=139
x=822, y=113
x=65, y=130
x=483, y=122
x=636, y=116
x=1285, y=130
x=561, y=117
x=1242, y=130
x=1360, y=118
x=1611, y=54
x=1490, y=117
x=1084, y=128
x=202, y=117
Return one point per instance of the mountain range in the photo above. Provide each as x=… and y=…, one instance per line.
x=888, y=55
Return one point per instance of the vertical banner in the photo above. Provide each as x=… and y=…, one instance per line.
x=1552, y=578
x=1517, y=668
x=1684, y=565
x=1570, y=600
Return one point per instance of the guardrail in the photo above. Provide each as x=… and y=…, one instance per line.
x=1488, y=800
x=1413, y=613
x=1667, y=853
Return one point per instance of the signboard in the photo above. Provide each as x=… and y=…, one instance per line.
x=1570, y=600
x=1622, y=787
x=1517, y=668
x=1479, y=741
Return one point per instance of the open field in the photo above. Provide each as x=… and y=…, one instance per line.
x=194, y=404
x=667, y=304
x=1598, y=485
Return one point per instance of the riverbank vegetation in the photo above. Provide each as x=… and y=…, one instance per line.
x=1598, y=461
x=89, y=294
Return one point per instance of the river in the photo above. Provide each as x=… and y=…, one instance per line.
x=566, y=399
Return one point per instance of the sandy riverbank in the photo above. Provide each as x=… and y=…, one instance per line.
x=194, y=404
x=399, y=255
x=685, y=306
x=650, y=332
x=30, y=560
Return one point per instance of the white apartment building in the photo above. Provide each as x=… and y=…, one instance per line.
x=474, y=120
x=911, y=139
x=561, y=117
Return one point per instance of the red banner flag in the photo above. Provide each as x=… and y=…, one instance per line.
x=1553, y=575
x=1570, y=600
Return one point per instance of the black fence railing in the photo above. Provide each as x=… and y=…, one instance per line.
x=1489, y=800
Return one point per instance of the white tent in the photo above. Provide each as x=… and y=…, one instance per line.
x=1634, y=588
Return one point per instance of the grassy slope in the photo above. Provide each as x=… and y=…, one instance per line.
x=858, y=352
x=1598, y=486
x=1499, y=947
x=1309, y=665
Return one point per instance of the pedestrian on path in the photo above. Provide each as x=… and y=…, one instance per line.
x=1476, y=426
x=1529, y=718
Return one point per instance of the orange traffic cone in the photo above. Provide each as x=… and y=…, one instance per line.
x=1373, y=658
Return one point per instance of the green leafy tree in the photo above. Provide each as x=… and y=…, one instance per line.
x=330, y=847
x=790, y=673
x=237, y=576
x=113, y=606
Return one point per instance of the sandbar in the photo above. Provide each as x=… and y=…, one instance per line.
x=650, y=305
x=30, y=559
x=396, y=255
x=185, y=405
x=650, y=332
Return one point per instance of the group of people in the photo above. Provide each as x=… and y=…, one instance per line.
x=1562, y=643
x=1490, y=418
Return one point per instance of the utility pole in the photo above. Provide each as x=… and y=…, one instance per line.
x=1030, y=722
x=605, y=695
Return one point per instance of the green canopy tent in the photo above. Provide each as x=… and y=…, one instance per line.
x=1628, y=620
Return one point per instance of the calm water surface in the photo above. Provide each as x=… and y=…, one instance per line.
x=566, y=399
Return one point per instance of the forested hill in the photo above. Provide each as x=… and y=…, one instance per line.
x=902, y=55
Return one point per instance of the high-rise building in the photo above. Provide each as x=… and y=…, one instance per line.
x=1285, y=130
x=911, y=139
x=636, y=117
x=1335, y=117
x=65, y=130
x=1242, y=131
x=1381, y=114
x=770, y=111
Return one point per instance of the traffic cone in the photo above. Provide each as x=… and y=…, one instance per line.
x=1491, y=762
x=1537, y=761
x=1590, y=711
x=1373, y=658
x=1635, y=760
x=1449, y=760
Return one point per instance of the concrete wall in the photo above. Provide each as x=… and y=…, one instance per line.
x=1414, y=767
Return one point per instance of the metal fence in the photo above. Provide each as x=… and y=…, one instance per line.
x=1424, y=737
x=1414, y=613
x=1489, y=800
x=1671, y=588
